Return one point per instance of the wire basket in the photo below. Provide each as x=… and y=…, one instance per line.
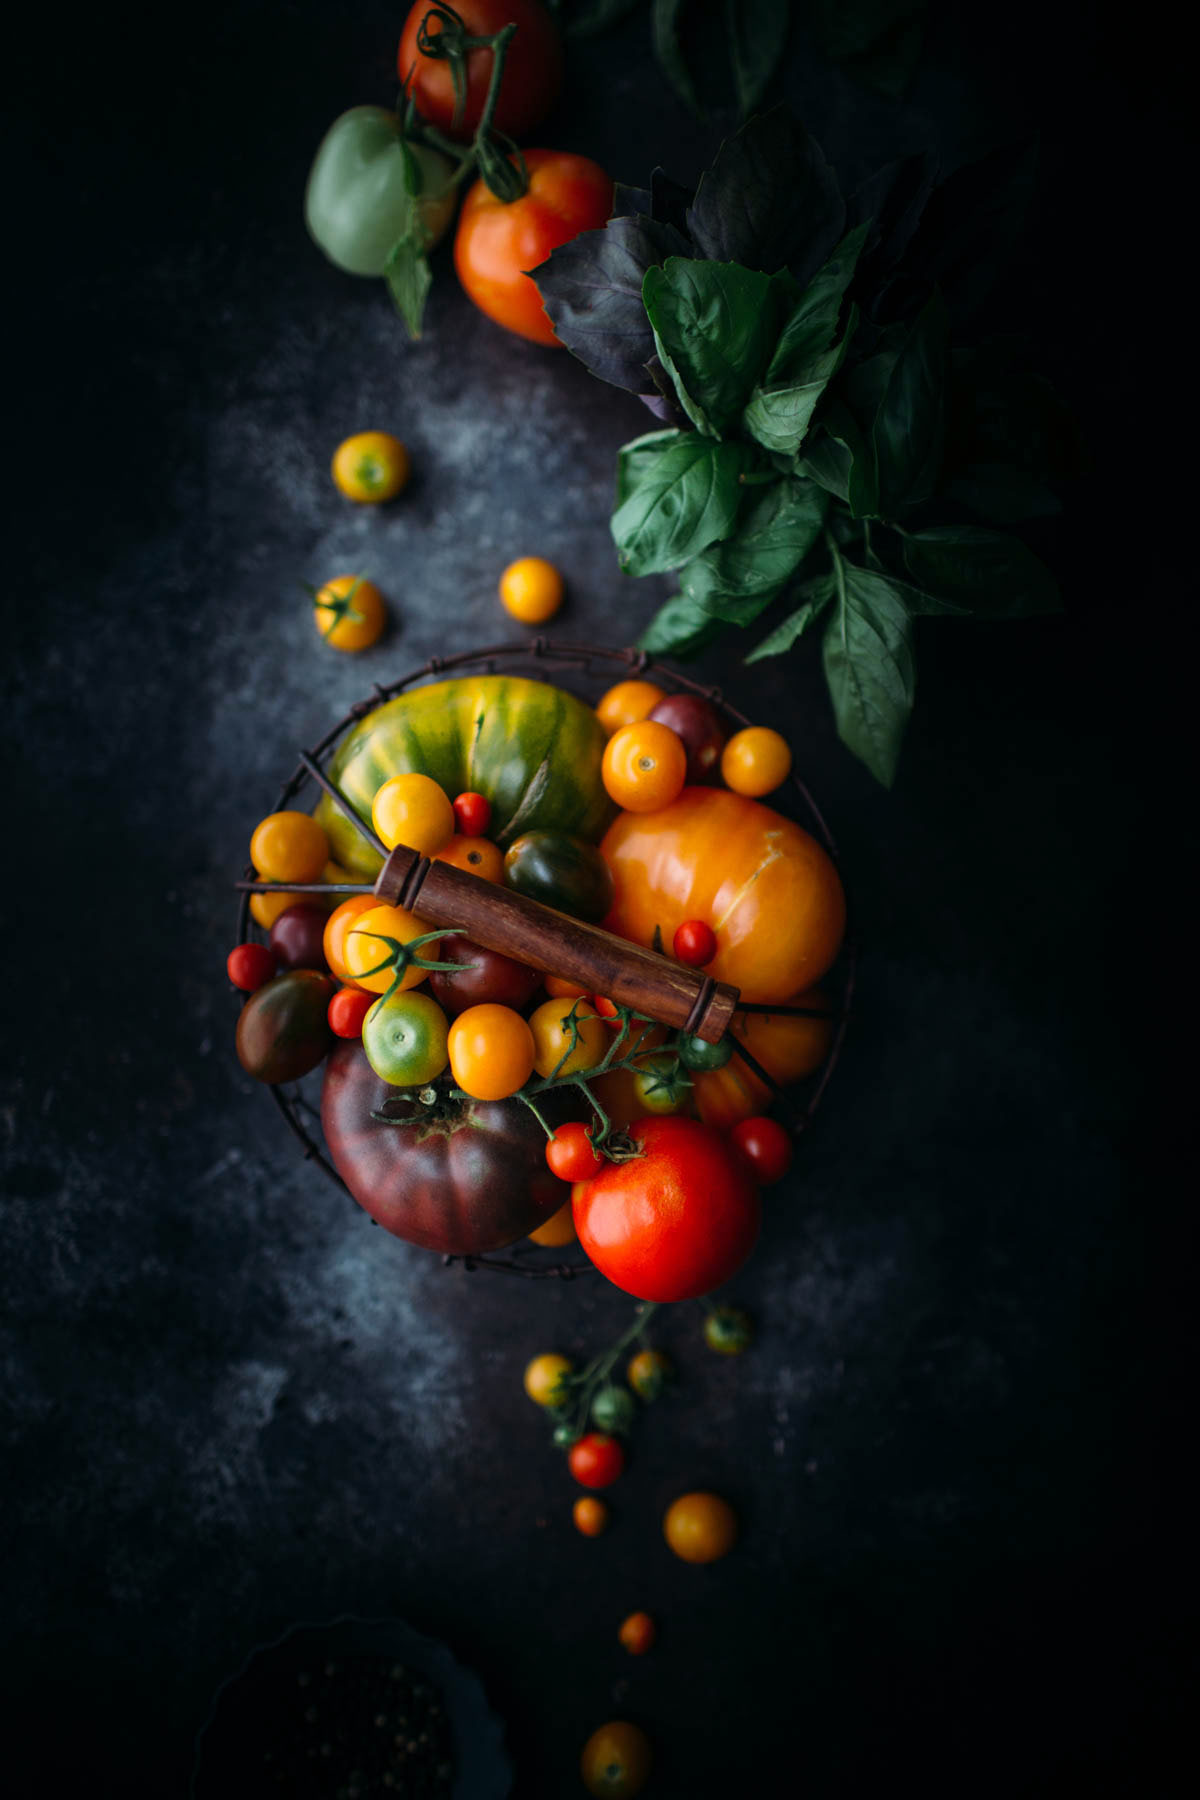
x=598, y=667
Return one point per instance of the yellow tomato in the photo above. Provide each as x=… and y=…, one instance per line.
x=413, y=810
x=266, y=908
x=289, y=846
x=491, y=1051
x=337, y=925
x=616, y=1760
x=477, y=855
x=550, y=1025
x=370, y=466
x=700, y=1527
x=544, y=1378
x=755, y=761
x=531, y=589
x=363, y=950
x=349, y=613
x=628, y=702
x=558, y=1230
x=644, y=767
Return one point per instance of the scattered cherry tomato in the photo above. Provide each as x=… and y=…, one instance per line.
x=531, y=589
x=365, y=950
x=728, y=1330
x=533, y=67
x=545, y=1378
x=755, y=761
x=590, y=1515
x=336, y=927
x=551, y=1025
x=765, y=1147
x=472, y=814
x=644, y=766
x=349, y=613
x=297, y=937
x=558, y=1230
x=477, y=855
x=347, y=1010
x=249, y=966
x=570, y=1154
x=497, y=241
x=412, y=809
x=289, y=846
x=595, y=1459
x=648, y=1373
x=637, y=1633
x=700, y=1527
x=616, y=1760
x=491, y=1052
x=626, y=703
x=404, y=1036
x=694, y=943
x=371, y=466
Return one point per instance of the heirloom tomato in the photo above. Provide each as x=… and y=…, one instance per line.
x=768, y=890
x=491, y=1052
x=484, y=978
x=789, y=1046
x=698, y=723
x=349, y=613
x=404, y=1037
x=497, y=241
x=283, y=1030
x=627, y=702
x=364, y=190
x=337, y=925
x=561, y=871
x=616, y=1761
x=570, y=1154
x=533, y=67
x=674, y=1222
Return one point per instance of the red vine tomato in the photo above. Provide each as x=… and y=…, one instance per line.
x=533, y=67
x=570, y=1154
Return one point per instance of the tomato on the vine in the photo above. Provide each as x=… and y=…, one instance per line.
x=533, y=67
x=497, y=241
x=365, y=949
x=570, y=1153
x=554, y=1051
x=694, y=943
x=472, y=814
x=765, y=1147
x=661, y=1085
x=249, y=966
x=648, y=1373
x=595, y=1459
x=546, y=1378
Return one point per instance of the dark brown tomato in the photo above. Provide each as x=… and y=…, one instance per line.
x=699, y=724
x=298, y=938
x=487, y=978
x=467, y=1181
x=283, y=1029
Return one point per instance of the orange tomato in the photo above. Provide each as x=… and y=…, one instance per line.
x=558, y=1230
x=336, y=927
x=616, y=1760
x=491, y=1051
x=531, y=589
x=477, y=855
x=755, y=761
x=764, y=885
x=363, y=952
x=266, y=908
x=349, y=613
x=563, y=990
x=700, y=1527
x=644, y=766
x=289, y=846
x=787, y=1045
x=413, y=810
x=550, y=1025
x=637, y=1633
x=628, y=702
x=590, y=1515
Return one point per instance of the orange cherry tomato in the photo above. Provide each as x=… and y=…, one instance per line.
x=491, y=1051
x=628, y=702
x=266, y=908
x=289, y=846
x=558, y=1230
x=787, y=1044
x=497, y=241
x=550, y=1025
x=637, y=1633
x=755, y=761
x=336, y=927
x=616, y=1761
x=644, y=766
x=559, y=989
x=700, y=1527
x=349, y=613
x=413, y=810
x=363, y=948
x=590, y=1515
x=531, y=589
x=477, y=855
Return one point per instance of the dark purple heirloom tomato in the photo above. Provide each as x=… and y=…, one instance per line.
x=699, y=724
x=485, y=979
x=283, y=1029
x=461, y=1177
x=298, y=938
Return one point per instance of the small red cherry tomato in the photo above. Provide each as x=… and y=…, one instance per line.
x=472, y=815
x=607, y=1009
x=596, y=1459
x=347, y=1010
x=250, y=966
x=694, y=943
x=637, y=1633
x=570, y=1154
x=764, y=1147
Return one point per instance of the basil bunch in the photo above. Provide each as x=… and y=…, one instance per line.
x=821, y=437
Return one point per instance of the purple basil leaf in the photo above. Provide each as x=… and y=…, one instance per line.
x=592, y=291
x=770, y=200
x=970, y=225
x=630, y=202
x=669, y=200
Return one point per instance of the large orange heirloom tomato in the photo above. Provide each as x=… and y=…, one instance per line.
x=674, y=1222
x=789, y=1045
x=497, y=240
x=766, y=887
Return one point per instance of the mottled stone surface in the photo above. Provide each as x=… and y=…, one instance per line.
x=228, y=1401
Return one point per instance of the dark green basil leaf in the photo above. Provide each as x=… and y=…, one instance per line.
x=592, y=289
x=827, y=460
x=966, y=568
x=680, y=496
x=664, y=29
x=714, y=324
x=680, y=627
x=586, y=17
x=408, y=278
x=870, y=667
x=776, y=527
x=636, y=459
x=778, y=417
x=1002, y=494
x=970, y=225
x=821, y=592
x=770, y=200
x=909, y=430
x=757, y=34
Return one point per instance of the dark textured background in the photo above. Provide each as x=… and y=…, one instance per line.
x=228, y=1403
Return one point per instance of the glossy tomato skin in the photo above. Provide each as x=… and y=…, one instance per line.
x=596, y=1459
x=298, y=938
x=533, y=68
x=283, y=1030
x=675, y=1222
x=496, y=242
x=470, y=1181
x=561, y=871
x=698, y=723
x=485, y=979
x=765, y=1147
x=250, y=966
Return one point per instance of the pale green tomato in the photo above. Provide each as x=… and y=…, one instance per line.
x=357, y=204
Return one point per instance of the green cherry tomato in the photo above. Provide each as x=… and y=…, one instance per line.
x=612, y=1409
x=359, y=203
x=661, y=1085
x=695, y=1053
x=405, y=1039
x=728, y=1331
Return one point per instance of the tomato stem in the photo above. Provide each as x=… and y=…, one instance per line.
x=583, y=1386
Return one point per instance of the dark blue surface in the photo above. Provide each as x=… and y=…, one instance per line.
x=228, y=1402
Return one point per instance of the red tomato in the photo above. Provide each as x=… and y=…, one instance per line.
x=347, y=1010
x=694, y=943
x=497, y=241
x=533, y=67
x=570, y=1155
x=298, y=938
x=250, y=966
x=676, y=1221
x=765, y=1148
x=472, y=815
x=595, y=1459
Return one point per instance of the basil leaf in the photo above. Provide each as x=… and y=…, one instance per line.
x=778, y=417
x=776, y=527
x=664, y=30
x=757, y=35
x=793, y=627
x=870, y=667
x=408, y=278
x=591, y=288
x=970, y=225
x=714, y=324
x=1002, y=494
x=827, y=461
x=635, y=459
x=681, y=627
x=909, y=431
x=988, y=574
x=770, y=200
x=587, y=17
x=630, y=202
x=680, y=498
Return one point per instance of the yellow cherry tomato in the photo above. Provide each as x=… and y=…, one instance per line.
x=289, y=846
x=413, y=810
x=558, y=1230
x=363, y=948
x=371, y=466
x=550, y=1025
x=478, y=856
x=755, y=761
x=700, y=1527
x=616, y=1760
x=491, y=1051
x=266, y=908
x=349, y=612
x=544, y=1378
x=531, y=589
x=590, y=1515
x=644, y=767
x=337, y=925
x=628, y=702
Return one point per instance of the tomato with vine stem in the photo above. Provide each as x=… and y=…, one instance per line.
x=446, y=58
x=567, y=1038
x=349, y=612
x=570, y=1153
